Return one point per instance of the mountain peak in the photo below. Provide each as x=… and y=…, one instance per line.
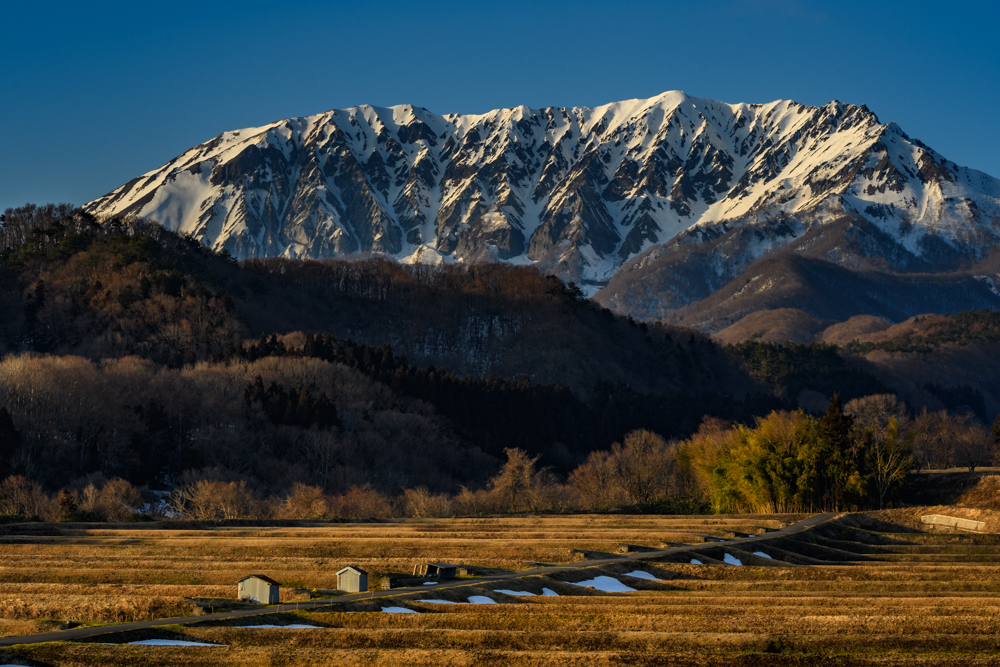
x=577, y=191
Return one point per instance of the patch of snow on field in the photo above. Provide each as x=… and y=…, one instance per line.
x=398, y=610
x=695, y=561
x=169, y=642
x=481, y=599
x=639, y=574
x=507, y=591
x=436, y=601
x=761, y=554
x=605, y=584
x=293, y=626
x=550, y=592
x=732, y=560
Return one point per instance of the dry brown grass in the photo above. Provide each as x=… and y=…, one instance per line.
x=133, y=573
x=101, y=608
x=985, y=495
x=925, y=599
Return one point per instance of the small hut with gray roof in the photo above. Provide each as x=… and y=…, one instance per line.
x=260, y=589
x=352, y=579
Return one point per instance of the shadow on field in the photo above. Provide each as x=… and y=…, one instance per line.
x=874, y=524
x=279, y=619
x=139, y=635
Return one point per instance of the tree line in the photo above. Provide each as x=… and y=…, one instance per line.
x=497, y=413
x=856, y=456
x=272, y=422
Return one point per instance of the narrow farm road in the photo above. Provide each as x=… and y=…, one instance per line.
x=82, y=633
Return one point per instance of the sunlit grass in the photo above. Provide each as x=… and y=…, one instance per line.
x=896, y=607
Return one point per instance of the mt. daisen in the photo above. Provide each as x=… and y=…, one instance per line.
x=675, y=194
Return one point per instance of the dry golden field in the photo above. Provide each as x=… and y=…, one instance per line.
x=866, y=589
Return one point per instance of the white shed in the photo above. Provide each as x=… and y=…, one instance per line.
x=258, y=588
x=352, y=579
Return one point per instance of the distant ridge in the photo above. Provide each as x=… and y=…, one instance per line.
x=668, y=198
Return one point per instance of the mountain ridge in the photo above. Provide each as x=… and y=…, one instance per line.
x=585, y=193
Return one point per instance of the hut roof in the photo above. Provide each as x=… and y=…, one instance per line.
x=261, y=577
x=351, y=568
x=443, y=565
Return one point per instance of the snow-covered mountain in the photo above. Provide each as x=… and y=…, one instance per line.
x=577, y=191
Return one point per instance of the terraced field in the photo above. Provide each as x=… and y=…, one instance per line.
x=133, y=572
x=865, y=589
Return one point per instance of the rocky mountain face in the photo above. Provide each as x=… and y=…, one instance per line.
x=660, y=202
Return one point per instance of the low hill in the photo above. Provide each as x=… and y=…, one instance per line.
x=127, y=286
x=774, y=326
x=933, y=361
x=832, y=292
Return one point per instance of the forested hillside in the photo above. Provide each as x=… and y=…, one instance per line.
x=127, y=286
x=934, y=361
x=163, y=358
x=828, y=291
x=133, y=354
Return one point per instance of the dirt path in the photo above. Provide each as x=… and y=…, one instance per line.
x=82, y=633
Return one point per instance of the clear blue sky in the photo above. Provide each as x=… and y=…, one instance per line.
x=93, y=94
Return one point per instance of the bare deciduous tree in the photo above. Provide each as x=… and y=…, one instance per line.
x=208, y=500
x=516, y=479
x=305, y=502
x=646, y=463
x=596, y=482
x=974, y=446
x=116, y=500
x=640, y=469
x=876, y=411
x=420, y=502
x=20, y=496
x=888, y=457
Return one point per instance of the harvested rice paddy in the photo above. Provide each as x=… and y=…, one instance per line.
x=863, y=589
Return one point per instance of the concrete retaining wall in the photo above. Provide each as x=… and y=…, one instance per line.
x=954, y=522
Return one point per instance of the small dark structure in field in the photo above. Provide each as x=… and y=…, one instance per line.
x=352, y=580
x=632, y=548
x=439, y=570
x=258, y=588
x=735, y=535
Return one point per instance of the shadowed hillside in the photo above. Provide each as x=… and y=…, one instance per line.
x=830, y=292
x=409, y=365
x=71, y=285
x=936, y=361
